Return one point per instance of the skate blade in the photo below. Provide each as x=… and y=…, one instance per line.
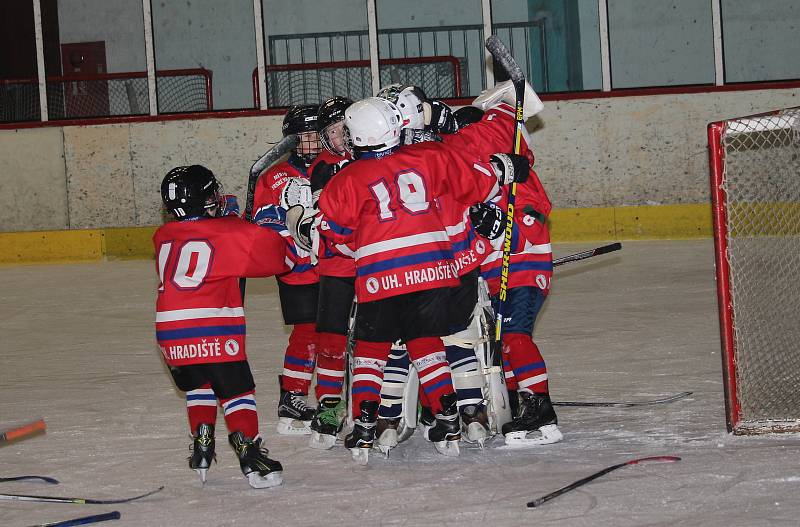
x=549, y=434
x=289, y=427
x=257, y=481
x=388, y=439
x=448, y=448
x=360, y=455
x=476, y=433
x=203, y=473
x=321, y=441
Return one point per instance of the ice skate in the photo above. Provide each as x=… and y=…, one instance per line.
x=475, y=423
x=326, y=423
x=260, y=471
x=360, y=440
x=294, y=415
x=202, y=450
x=386, y=433
x=446, y=432
x=534, y=424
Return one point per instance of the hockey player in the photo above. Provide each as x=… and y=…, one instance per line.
x=279, y=188
x=530, y=272
x=337, y=270
x=200, y=325
x=385, y=203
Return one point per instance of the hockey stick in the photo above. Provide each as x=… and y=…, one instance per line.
x=605, y=249
x=269, y=158
x=539, y=501
x=84, y=520
x=23, y=431
x=611, y=404
x=503, y=56
x=46, y=479
x=80, y=501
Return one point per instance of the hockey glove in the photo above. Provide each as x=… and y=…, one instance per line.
x=412, y=136
x=300, y=223
x=488, y=219
x=467, y=115
x=441, y=118
x=510, y=168
x=323, y=173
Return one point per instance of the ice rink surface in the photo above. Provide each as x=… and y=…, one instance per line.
x=77, y=346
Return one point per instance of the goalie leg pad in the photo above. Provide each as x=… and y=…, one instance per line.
x=504, y=92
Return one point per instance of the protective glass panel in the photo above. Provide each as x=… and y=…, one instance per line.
x=315, y=50
x=760, y=40
x=437, y=46
x=205, y=51
x=19, y=83
x=556, y=43
x=95, y=60
x=660, y=43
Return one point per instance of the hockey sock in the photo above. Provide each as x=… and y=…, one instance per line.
x=201, y=407
x=368, y=363
x=466, y=378
x=429, y=359
x=508, y=373
x=298, y=364
x=395, y=375
x=330, y=365
x=241, y=415
x=529, y=368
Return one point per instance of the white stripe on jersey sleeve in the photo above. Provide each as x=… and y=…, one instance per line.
x=399, y=243
x=202, y=312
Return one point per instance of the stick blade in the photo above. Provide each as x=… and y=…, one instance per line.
x=500, y=52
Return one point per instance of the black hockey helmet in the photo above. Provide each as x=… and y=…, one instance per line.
x=300, y=118
x=190, y=191
x=331, y=112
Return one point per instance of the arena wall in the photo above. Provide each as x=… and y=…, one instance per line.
x=615, y=167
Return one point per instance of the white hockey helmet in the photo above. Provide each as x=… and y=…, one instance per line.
x=373, y=124
x=408, y=100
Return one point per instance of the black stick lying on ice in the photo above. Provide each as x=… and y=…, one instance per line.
x=628, y=404
x=539, y=501
x=84, y=520
x=46, y=479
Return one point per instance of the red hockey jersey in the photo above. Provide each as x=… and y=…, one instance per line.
x=387, y=206
x=531, y=262
x=199, y=313
x=333, y=259
x=270, y=199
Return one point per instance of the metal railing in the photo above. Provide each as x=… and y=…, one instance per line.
x=463, y=41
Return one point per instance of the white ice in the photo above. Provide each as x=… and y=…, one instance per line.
x=77, y=348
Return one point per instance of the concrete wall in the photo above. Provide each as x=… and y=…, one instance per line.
x=590, y=153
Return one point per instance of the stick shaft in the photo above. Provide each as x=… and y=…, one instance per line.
x=605, y=249
x=83, y=520
x=23, y=431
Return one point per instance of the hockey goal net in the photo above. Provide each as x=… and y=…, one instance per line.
x=290, y=84
x=106, y=95
x=755, y=188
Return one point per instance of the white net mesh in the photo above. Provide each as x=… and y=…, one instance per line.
x=106, y=95
x=761, y=181
x=290, y=84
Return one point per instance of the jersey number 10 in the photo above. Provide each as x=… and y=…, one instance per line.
x=194, y=263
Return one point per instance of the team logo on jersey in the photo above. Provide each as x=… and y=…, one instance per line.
x=231, y=347
x=528, y=220
x=480, y=247
x=541, y=281
x=372, y=285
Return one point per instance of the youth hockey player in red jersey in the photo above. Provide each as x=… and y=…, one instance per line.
x=385, y=204
x=337, y=270
x=530, y=272
x=200, y=325
x=279, y=188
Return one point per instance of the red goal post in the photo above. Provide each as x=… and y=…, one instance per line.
x=312, y=83
x=755, y=192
